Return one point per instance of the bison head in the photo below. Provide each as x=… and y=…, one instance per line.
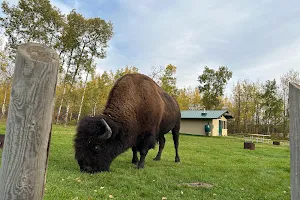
x=94, y=143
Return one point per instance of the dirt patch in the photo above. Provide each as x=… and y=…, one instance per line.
x=198, y=184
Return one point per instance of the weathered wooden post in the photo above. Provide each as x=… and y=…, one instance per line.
x=294, y=104
x=28, y=128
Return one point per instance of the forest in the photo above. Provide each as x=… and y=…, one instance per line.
x=257, y=107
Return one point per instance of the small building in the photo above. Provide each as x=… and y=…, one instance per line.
x=195, y=121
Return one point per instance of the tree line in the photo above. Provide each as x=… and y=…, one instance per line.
x=262, y=107
x=257, y=107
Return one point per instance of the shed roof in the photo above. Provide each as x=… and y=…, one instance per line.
x=204, y=114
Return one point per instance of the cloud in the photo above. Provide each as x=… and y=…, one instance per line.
x=255, y=39
x=184, y=34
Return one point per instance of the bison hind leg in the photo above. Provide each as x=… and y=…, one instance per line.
x=161, y=142
x=175, y=133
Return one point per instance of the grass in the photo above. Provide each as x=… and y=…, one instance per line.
x=234, y=172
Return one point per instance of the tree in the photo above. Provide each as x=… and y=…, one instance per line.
x=290, y=76
x=123, y=71
x=91, y=71
x=69, y=41
x=246, y=106
x=97, y=92
x=31, y=21
x=168, y=81
x=183, y=99
x=237, y=94
x=196, y=98
x=6, y=73
x=77, y=40
x=156, y=73
x=272, y=105
x=85, y=39
x=212, y=85
x=257, y=101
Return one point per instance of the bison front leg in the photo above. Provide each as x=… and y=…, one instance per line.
x=145, y=143
x=135, y=158
x=143, y=154
x=161, y=142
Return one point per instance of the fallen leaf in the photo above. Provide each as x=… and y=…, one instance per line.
x=101, y=188
x=111, y=196
x=78, y=180
x=95, y=190
x=76, y=198
x=214, y=194
x=164, y=198
x=181, y=192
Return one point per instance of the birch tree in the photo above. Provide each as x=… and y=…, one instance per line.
x=272, y=105
x=6, y=72
x=291, y=76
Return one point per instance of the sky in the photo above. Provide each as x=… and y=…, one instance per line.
x=256, y=40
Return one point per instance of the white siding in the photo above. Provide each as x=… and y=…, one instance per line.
x=193, y=126
x=196, y=126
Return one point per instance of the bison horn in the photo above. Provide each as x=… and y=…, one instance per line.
x=108, y=131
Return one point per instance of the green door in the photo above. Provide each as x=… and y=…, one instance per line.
x=220, y=127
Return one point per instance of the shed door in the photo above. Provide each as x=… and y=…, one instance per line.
x=220, y=127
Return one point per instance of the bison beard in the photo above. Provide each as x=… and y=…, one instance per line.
x=137, y=114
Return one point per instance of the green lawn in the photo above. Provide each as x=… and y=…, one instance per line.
x=235, y=173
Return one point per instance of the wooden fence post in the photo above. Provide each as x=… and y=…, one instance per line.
x=294, y=109
x=29, y=122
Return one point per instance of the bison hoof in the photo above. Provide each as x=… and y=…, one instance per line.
x=156, y=158
x=140, y=165
x=177, y=159
x=135, y=162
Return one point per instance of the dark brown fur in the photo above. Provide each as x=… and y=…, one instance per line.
x=2, y=140
x=138, y=112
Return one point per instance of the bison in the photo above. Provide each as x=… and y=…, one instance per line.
x=137, y=115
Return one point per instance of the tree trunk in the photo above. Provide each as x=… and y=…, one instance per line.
x=82, y=98
x=60, y=105
x=64, y=92
x=4, y=100
x=67, y=114
x=257, y=121
x=284, y=116
x=71, y=116
x=94, y=110
x=239, y=111
x=72, y=83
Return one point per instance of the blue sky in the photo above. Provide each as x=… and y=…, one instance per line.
x=257, y=40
